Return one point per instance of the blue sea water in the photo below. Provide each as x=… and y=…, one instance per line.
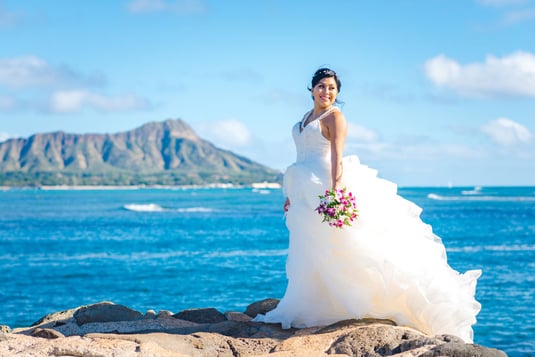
x=173, y=249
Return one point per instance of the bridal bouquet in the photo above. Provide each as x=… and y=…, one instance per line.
x=338, y=207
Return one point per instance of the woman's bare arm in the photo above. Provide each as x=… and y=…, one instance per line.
x=336, y=126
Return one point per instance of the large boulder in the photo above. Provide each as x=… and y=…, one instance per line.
x=462, y=350
x=105, y=312
x=201, y=316
x=261, y=307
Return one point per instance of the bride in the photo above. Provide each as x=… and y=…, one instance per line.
x=388, y=264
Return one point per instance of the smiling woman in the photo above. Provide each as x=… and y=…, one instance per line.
x=385, y=265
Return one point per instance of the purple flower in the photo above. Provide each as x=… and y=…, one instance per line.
x=338, y=207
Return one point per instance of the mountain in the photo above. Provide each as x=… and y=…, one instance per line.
x=157, y=153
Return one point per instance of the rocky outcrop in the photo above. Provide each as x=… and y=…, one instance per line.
x=106, y=329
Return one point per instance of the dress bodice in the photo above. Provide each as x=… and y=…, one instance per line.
x=310, y=144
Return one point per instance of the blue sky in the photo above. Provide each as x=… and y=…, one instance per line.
x=436, y=92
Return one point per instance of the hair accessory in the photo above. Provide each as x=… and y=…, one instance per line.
x=326, y=71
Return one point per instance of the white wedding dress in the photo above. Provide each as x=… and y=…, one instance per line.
x=387, y=265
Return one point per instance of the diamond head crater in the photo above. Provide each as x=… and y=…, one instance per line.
x=166, y=153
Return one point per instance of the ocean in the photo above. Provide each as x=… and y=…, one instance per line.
x=175, y=248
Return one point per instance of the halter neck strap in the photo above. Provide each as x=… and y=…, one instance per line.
x=309, y=113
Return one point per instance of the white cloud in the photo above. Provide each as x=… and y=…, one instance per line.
x=4, y=136
x=414, y=151
x=501, y=2
x=138, y=6
x=76, y=100
x=522, y=12
x=506, y=132
x=369, y=145
x=32, y=71
x=179, y=7
x=67, y=89
x=230, y=134
x=514, y=17
x=360, y=133
x=512, y=75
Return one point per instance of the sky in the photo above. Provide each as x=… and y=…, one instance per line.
x=435, y=92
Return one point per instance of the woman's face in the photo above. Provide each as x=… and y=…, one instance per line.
x=325, y=92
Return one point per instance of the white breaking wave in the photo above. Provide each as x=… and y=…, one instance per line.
x=248, y=253
x=498, y=248
x=436, y=197
x=150, y=207
x=475, y=191
x=261, y=191
x=153, y=207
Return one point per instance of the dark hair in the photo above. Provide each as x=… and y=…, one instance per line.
x=325, y=73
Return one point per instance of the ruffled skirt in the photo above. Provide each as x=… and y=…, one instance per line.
x=387, y=265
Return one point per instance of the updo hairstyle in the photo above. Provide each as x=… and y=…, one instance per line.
x=325, y=73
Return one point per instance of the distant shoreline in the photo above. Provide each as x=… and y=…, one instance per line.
x=257, y=185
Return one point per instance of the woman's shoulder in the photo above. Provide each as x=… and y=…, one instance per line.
x=335, y=111
x=335, y=115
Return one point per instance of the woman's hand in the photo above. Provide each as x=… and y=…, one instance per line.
x=286, y=205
